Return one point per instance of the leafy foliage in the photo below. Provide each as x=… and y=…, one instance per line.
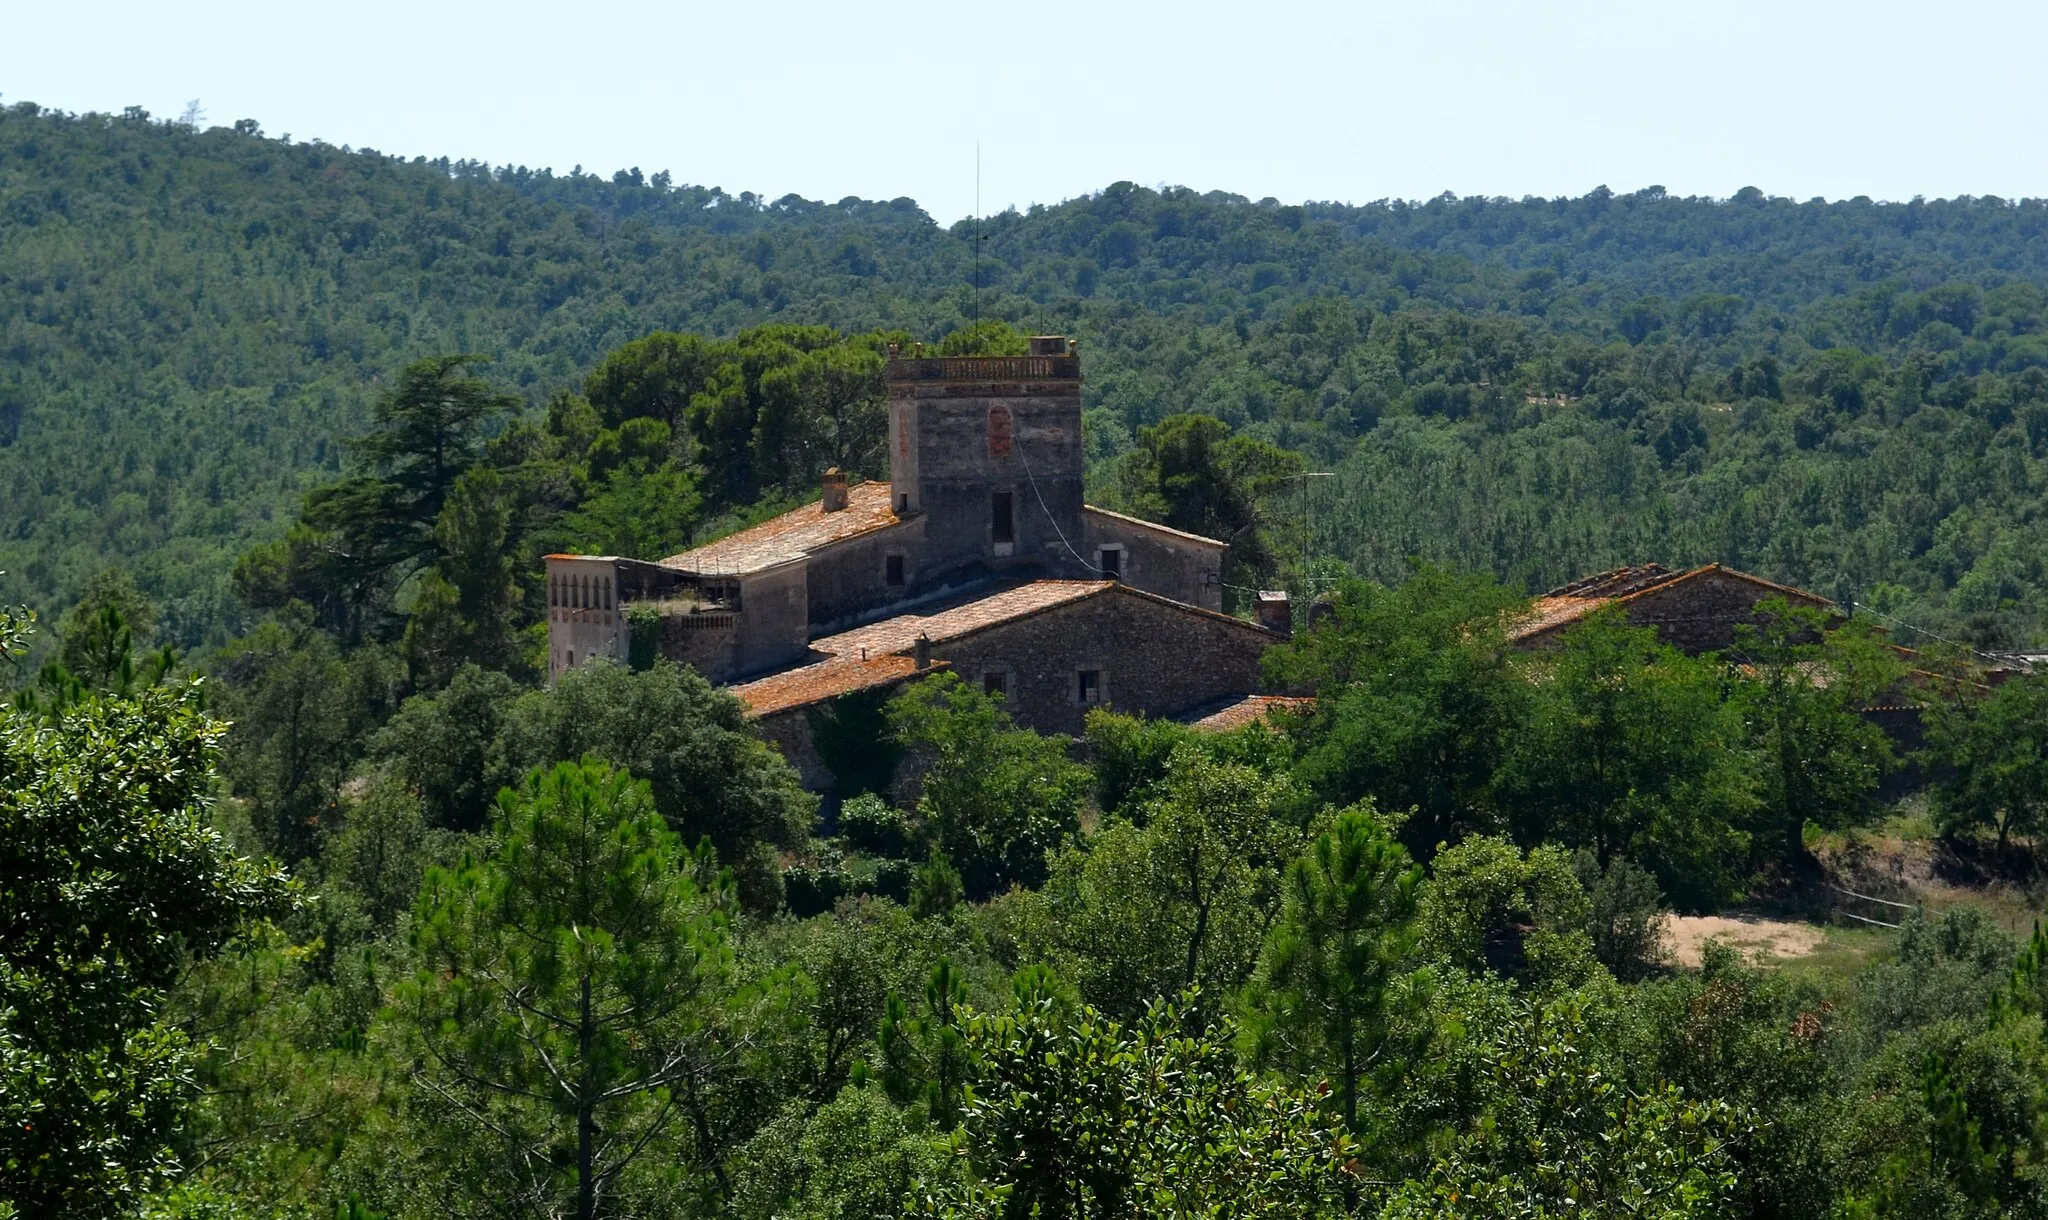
x=1847, y=396
x=1993, y=756
x=113, y=876
x=1078, y=1116
x=221, y=345
x=997, y=797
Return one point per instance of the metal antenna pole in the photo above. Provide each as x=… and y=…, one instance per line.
x=1308, y=582
x=977, y=244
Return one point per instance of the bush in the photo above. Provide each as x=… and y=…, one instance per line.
x=813, y=889
x=1626, y=921
x=873, y=825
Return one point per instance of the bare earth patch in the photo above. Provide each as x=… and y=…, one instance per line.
x=1752, y=935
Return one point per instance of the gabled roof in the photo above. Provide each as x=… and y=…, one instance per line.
x=866, y=657
x=1618, y=583
x=879, y=653
x=1567, y=604
x=1551, y=612
x=959, y=618
x=791, y=535
x=809, y=684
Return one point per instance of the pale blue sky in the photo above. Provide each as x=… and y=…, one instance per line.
x=1300, y=101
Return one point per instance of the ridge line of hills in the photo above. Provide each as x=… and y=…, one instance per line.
x=1846, y=395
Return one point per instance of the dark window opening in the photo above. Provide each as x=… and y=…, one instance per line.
x=1002, y=521
x=902, y=504
x=892, y=570
x=1111, y=561
x=1090, y=688
x=996, y=683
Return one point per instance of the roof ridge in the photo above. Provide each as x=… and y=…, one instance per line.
x=1718, y=566
x=1177, y=604
x=1152, y=525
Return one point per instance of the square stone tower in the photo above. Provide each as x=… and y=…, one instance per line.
x=988, y=450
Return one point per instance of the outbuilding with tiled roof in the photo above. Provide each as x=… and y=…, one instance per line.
x=1695, y=610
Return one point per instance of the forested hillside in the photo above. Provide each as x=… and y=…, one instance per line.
x=1846, y=395
x=317, y=901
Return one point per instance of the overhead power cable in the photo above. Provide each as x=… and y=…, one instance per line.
x=1055, y=521
x=1975, y=652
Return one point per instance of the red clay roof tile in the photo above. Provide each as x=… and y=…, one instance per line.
x=829, y=679
x=878, y=654
x=1250, y=710
x=794, y=533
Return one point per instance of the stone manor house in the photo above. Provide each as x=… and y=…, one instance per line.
x=977, y=556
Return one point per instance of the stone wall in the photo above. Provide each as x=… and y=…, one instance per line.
x=1158, y=560
x=706, y=640
x=1153, y=658
x=964, y=430
x=847, y=580
x=769, y=630
x=790, y=732
x=1701, y=613
x=774, y=619
x=584, y=618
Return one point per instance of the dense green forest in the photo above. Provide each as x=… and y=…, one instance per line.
x=588, y=950
x=1846, y=395
x=316, y=901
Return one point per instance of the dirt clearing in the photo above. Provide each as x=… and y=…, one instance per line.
x=1752, y=935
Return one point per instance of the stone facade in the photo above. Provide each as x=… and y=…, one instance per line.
x=1185, y=567
x=984, y=488
x=1055, y=651
x=1695, y=611
x=977, y=555
x=1702, y=611
x=1148, y=655
x=584, y=614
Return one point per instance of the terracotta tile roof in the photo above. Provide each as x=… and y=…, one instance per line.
x=829, y=679
x=1547, y=613
x=950, y=622
x=1792, y=593
x=797, y=532
x=1247, y=709
x=879, y=653
x=1618, y=583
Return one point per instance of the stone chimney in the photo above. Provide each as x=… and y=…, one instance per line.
x=1274, y=612
x=834, y=483
x=921, y=651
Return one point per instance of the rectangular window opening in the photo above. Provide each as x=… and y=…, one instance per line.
x=995, y=683
x=892, y=570
x=1089, y=688
x=1111, y=561
x=1003, y=525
